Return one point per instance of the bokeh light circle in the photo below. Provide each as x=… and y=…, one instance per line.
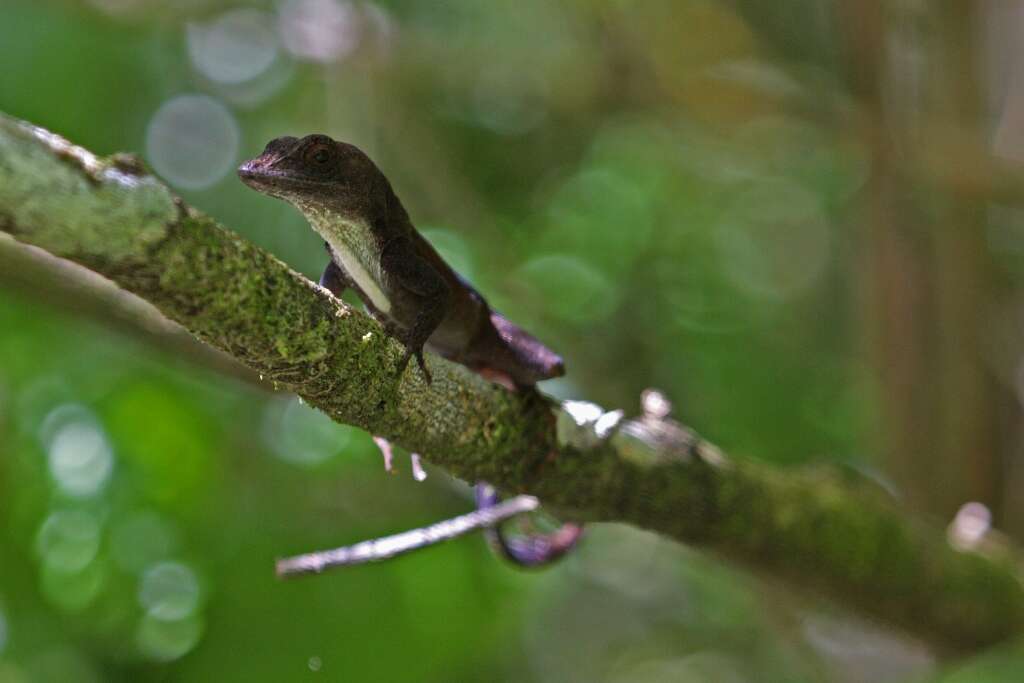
x=169, y=591
x=80, y=458
x=165, y=640
x=301, y=435
x=235, y=47
x=192, y=141
x=776, y=241
x=73, y=589
x=68, y=539
x=570, y=288
x=320, y=30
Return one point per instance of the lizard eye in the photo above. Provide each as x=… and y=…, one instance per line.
x=318, y=154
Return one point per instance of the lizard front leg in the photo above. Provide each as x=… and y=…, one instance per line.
x=431, y=295
x=334, y=279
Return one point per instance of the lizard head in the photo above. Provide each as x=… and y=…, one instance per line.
x=315, y=171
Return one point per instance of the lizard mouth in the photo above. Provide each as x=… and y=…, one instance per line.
x=276, y=183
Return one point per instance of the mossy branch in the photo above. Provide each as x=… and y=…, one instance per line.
x=839, y=537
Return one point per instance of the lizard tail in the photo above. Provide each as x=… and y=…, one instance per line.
x=522, y=355
x=529, y=550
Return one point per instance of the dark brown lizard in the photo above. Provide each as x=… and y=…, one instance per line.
x=404, y=283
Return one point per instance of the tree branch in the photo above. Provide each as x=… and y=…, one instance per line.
x=74, y=289
x=814, y=529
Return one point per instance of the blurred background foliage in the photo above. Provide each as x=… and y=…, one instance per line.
x=800, y=219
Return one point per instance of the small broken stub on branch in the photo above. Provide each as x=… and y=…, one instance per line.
x=584, y=425
x=653, y=438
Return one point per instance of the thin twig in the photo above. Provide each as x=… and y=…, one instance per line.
x=385, y=548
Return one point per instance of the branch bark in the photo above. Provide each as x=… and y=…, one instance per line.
x=813, y=528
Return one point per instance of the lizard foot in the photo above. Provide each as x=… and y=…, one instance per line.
x=418, y=353
x=413, y=347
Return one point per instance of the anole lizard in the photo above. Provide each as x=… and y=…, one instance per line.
x=404, y=283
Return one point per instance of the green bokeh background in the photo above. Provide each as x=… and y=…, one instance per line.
x=671, y=193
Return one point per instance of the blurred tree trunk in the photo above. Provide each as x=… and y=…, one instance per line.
x=926, y=273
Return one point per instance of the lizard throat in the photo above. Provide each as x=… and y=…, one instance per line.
x=354, y=247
